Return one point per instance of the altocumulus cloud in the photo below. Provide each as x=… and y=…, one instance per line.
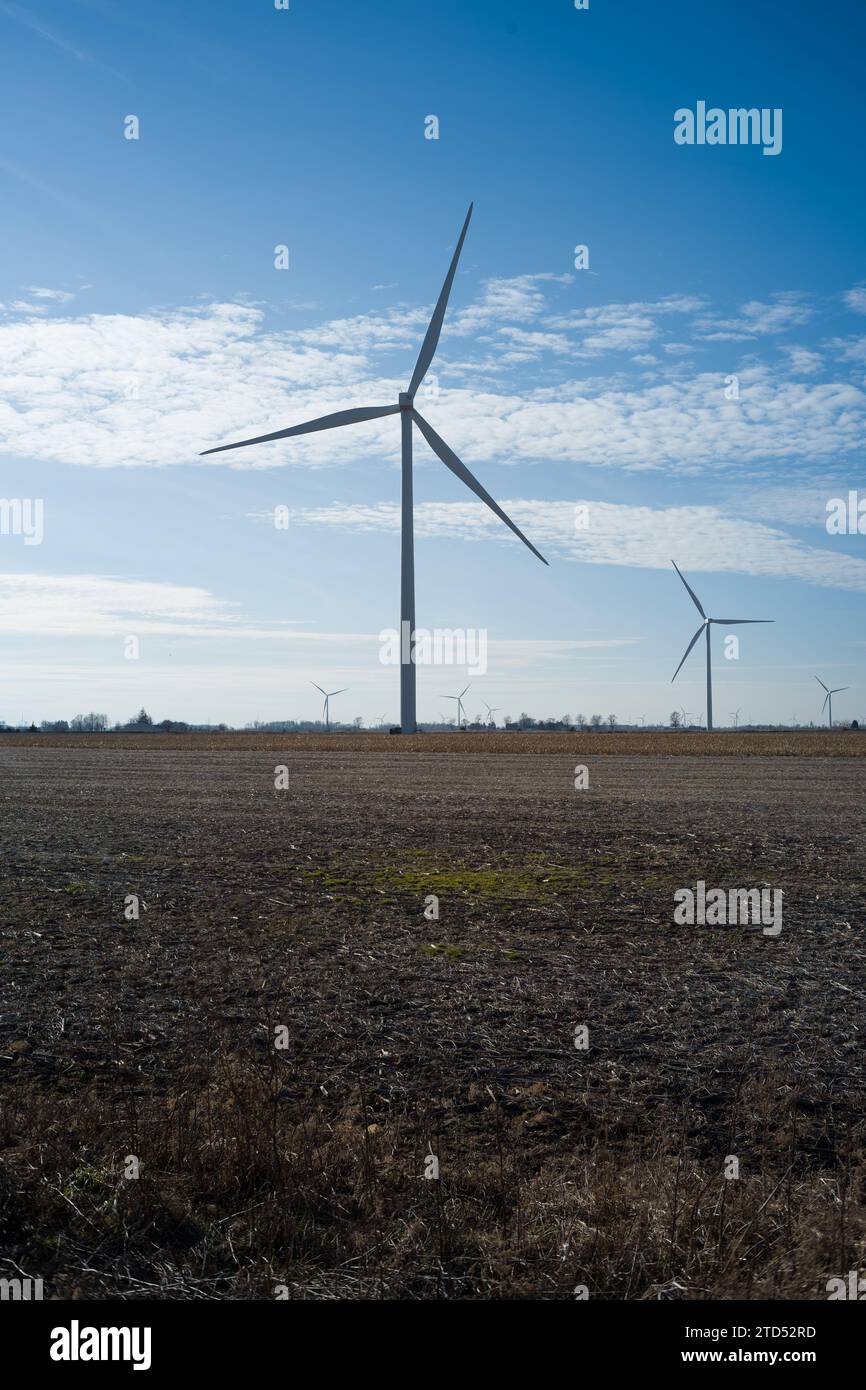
x=110, y=390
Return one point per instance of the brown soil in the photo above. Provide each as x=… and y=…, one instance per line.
x=301, y=1168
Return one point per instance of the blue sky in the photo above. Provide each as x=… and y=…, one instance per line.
x=143, y=320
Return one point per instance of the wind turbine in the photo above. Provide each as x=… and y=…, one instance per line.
x=491, y=709
x=828, y=698
x=459, y=699
x=735, y=715
x=408, y=416
x=705, y=627
x=329, y=695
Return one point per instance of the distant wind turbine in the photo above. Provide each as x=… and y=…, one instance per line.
x=491, y=709
x=408, y=416
x=459, y=699
x=326, y=708
x=705, y=627
x=828, y=699
x=735, y=715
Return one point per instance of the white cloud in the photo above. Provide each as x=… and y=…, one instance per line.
x=158, y=388
x=850, y=349
x=856, y=299
x=102, y=605
x=803, y=361
x=698, y=538
x=41, y=292
x=798, y=504
x=98, y=605
x=22, y=307
x=107, y=608
x=787, y=310
x=621, y=327
x=534, y=342
x=518, y=298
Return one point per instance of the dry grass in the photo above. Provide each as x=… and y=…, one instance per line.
x=241, y=1194
x=818, y=743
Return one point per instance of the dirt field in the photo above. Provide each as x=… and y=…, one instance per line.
x=814, y=743
x=297, y=917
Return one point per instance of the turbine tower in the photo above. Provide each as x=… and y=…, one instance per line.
x=828, y=699
x=326, y=708
x=705, y=627
x=405, y=408
x=459, y=699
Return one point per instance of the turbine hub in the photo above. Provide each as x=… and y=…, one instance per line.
x=405, y=400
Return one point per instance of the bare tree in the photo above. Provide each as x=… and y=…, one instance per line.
x=90, y=723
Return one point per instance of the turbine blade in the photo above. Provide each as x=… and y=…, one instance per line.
x=688, y=649
x=826, y=698
x=730, y=622
x=839, y=689
x=324, y=422
x=695, y=598
x=820, y=682
x=431, y=338
x=463, y=692
x=319, y=688
x=450, y=459
x=332, y=693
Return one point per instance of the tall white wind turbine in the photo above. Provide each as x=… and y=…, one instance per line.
x=705, y=628
x=326, y=707
x=459, y=699
x=828, y=699
x=405, y=408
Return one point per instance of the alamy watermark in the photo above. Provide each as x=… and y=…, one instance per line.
x=847, y=516
x=718, y=907
x=21, y=1290
x=854, y=1287
x=23, y=516
x=737, y=126
x=77, y=1343
x=444, y=646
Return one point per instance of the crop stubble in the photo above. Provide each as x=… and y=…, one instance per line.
x=305, y=908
